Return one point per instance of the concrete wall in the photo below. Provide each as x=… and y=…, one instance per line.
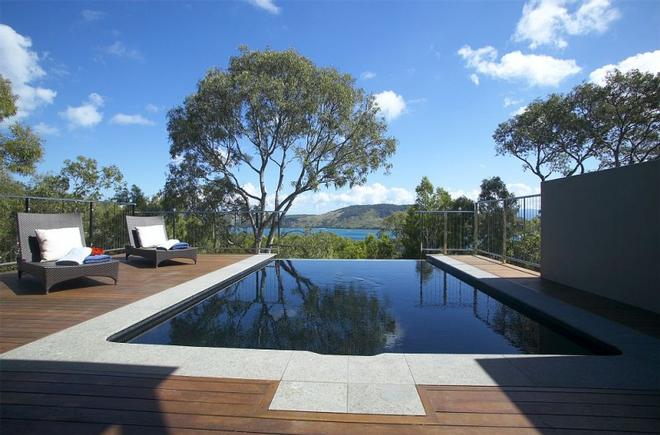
x=600, y=232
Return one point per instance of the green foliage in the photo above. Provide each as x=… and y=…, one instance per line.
x=329, y=245
x=277, y=116
x=414, y=229
x=81, y=179
x=20, y=148
x=49, y=186
x=187, y=188
x=526, y=243
x=137, y=196
x=87, y=180
x=7, y=99
x=616, y=124
x=622, y=117
x=493, y=189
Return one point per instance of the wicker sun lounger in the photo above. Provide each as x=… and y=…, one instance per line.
x=48, y=273
x=156, y=256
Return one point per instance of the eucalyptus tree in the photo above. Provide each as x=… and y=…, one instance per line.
x=622, y=117
x=612, y=124
x=20, y=148
x=539, y=135
x=273, y=126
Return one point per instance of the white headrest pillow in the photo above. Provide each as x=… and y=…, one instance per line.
x=152, y=235
x=57, y=242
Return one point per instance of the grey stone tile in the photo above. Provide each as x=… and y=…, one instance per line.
x=379, y=369
x=384, y=399
x=312, y=367
x=310, y=396
x=447, y=369
x=236, y=363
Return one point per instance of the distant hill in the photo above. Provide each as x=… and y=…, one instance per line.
x=354, y=216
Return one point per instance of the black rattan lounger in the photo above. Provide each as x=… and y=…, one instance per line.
x=156, y=256
x=48, y=273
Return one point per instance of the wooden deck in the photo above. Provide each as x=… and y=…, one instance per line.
x=27, y=314
x=55, y=398
x=72, y=398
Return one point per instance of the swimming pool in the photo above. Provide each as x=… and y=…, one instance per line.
x=349, y=307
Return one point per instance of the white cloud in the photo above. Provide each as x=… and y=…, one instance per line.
x=124, y=119
x=151, y=108
x=44, y=129
x=508, y=101
x=120, y=50
x=374, y=193
x=90, y=15
x=20, y=65
x=367, y=75
x=547, y=22
x=475, y=79
x=648, y=62
x=472, y=194
x=87, y=114
x=267, y=5
x=522, y=189
x=538, y=70
x=391, y=104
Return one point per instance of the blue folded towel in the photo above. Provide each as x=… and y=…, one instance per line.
x=93, y=259
x=180, y=245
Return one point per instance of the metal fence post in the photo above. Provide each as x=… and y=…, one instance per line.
x=174, y=224
x=91, y=223
x=476, y=228
x=504, y=231
x=215, y=237
x=444, y=244
x=27, y=205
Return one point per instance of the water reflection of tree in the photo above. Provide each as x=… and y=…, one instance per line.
x=519, y=330
x=343, y=319
x=424, y=270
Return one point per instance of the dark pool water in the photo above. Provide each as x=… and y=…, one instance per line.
x=358, y=308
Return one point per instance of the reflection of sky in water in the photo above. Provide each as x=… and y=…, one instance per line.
x=358, y=307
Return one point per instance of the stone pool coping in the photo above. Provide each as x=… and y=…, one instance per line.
x=381, y=384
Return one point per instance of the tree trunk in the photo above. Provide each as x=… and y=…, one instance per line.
x=257, y=243
x=271, y=234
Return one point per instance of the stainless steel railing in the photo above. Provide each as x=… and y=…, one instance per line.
x=508, y=230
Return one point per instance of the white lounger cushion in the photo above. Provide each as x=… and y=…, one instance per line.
x=75, y=256
x=152, y=236
x=56, y=243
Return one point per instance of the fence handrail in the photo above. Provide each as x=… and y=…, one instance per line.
x=512, y=198
x=48, y=198
x=443, y=211
x=205, y=211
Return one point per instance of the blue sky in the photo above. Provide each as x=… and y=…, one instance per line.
x=97, y=78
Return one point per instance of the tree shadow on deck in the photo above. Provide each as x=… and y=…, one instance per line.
x=72, y=397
